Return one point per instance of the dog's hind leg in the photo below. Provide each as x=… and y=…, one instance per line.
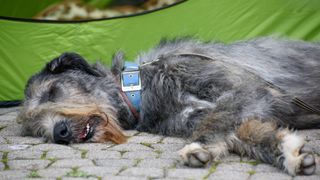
x=279, y=147
x=259, y=140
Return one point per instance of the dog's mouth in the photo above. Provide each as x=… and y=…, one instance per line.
x=87, y=133
x=88, y=130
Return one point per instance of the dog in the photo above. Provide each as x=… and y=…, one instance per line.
x=247, y=97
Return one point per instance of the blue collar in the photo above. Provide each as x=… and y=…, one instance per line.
x=131, y=84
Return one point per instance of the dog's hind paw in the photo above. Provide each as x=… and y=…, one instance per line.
x=298, y=159
x=194, y=155
x=308, y=164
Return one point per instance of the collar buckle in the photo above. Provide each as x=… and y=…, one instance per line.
x=130, y=81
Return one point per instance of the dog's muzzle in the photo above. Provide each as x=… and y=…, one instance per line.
x=62, y=133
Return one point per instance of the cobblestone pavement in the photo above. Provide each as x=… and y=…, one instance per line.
x=145, y=156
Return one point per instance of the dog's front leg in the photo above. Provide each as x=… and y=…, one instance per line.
x=209, y=140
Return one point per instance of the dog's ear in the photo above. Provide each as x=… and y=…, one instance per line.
x=70, y=61
x=117, y=63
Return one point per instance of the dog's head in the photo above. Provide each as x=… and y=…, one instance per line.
x=70, y=101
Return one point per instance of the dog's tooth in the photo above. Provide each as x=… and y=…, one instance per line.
x=87, y=129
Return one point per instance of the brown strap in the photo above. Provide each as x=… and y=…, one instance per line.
x=127, y=101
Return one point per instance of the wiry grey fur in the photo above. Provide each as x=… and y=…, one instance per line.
x=211, y=93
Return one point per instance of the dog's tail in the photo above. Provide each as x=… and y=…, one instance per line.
x=306, y=121
x=311, y=121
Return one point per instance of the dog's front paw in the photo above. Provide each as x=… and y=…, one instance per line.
x=298, y=159
x=194, y=155
x=308, y=163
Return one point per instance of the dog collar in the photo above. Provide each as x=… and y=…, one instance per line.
x=131, y=86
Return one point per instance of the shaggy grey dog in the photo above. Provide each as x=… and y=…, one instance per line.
x=243, y=98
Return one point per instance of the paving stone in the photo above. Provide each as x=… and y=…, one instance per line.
x=103, y=154
x=64, y=154
x=266, y=168
x=24, y=140
x=2, y=140
x=168, y=147
x=130, y=147
x=28, y=164
x=9, y=110
x=11, y=130
x=157, y=163
x=268, y=176
x=77, y=178
x=53, y=172
x=140, y=155
x=138, y=160
x=310, y=134
x=101, y=171
x=111, y=177
x=49, y=147
x=314, y=145
x=173, y=140
x=231, y=158
x=6, y=123
x=1, y=166
x=313, y=177
x=187, y=173
x=147, y=134
x=242, y=167
x=13, y=147
x=25, y=154
x=145, y=172
x=228, y=175
x=70, y=163
x=92, y=146
x=145, y=139
x=40, y=178
x=131, y=132
x=169, y=155
x=115, y=162
x=13, y=174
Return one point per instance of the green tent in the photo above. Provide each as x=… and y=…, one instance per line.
x=27, y=44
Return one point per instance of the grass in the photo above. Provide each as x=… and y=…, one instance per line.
x=44, y=155
x=159, y=152
x=4, y=160
x=2, y=127
x=137, y=162
x=147, y=145
x=34, y=174
x=52, y=160
x=253, y=162
x=122, y=152
x=76, y=173
x=212, y=169
x=83, y=153
x=252, y=172
x=122, y=169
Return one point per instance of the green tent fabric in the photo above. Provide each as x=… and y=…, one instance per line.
x=26, y=45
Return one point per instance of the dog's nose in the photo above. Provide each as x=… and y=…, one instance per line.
x=62, y=133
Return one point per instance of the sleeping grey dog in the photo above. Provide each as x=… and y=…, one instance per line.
x=246, y=98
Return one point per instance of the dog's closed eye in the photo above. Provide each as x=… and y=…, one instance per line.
x=51, y=95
